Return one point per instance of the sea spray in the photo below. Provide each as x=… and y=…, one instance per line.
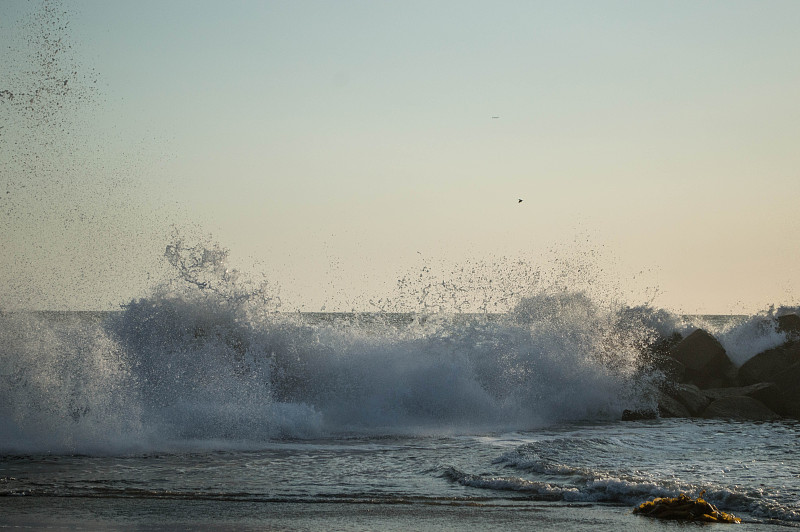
x=747, y=336
x=201, y=352
x=65, y=386
x=209, y=357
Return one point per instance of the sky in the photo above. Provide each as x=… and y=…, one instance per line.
x=335, y=148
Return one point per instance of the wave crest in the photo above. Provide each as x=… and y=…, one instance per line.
x=208, y=356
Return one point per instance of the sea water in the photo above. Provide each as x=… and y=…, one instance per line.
x=201, y=406
x=569, y=475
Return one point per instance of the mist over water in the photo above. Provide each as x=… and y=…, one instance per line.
x=77, y=213
x=209, y=360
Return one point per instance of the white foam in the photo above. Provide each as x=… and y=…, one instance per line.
x=748, y=336
x=206, y=357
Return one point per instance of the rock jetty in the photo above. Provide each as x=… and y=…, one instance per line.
x=701, y=381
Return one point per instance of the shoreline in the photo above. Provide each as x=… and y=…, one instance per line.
x=76, y=513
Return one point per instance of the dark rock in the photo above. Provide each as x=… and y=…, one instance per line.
x=740, y=391
x=707, y=364
x=691, y=397
x=789, y=324
x=673, y=370
x=766, y=392
x=770, y=365
x=662, y=345
x=638, y=415
x=789, y=386
x=739, y=408
x=669, y=407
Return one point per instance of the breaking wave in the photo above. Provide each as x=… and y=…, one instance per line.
x=590, y=469
x=209, y=357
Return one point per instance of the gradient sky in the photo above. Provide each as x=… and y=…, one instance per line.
x=337, y=147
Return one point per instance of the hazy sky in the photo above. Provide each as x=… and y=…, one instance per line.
x=337, y=147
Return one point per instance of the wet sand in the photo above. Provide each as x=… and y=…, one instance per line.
x=72, y=513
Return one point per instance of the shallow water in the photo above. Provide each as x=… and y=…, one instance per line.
x=202, y=408
x=562, y=476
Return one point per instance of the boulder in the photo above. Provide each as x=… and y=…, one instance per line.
x=663, y=344
x=638, y=415
x=707, y=365
x=766, y=392
x=669, y=407
x=691, y=397
x=672, y=369
x=769, y=365
x=789, y=386
x=739, y=408
x=789, y=324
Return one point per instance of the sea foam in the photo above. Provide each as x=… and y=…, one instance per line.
x=209, y=357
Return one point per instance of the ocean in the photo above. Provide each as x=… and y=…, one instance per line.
x=202, y=407
x=206, y=405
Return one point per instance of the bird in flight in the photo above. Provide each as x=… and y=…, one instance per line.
x=519, y=200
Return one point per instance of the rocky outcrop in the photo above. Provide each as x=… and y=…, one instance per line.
x=691, y=397
x=663, y=345
x=639, y=415
x=699, y=380
x=789, y=324
x=770, y=365
x=707, y=365
x=789, y=386
x=740, y=408
x=767, y=393
x=673, y=370
x=671, y=407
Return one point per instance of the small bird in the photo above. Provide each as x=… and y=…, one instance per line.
x=519, y=200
